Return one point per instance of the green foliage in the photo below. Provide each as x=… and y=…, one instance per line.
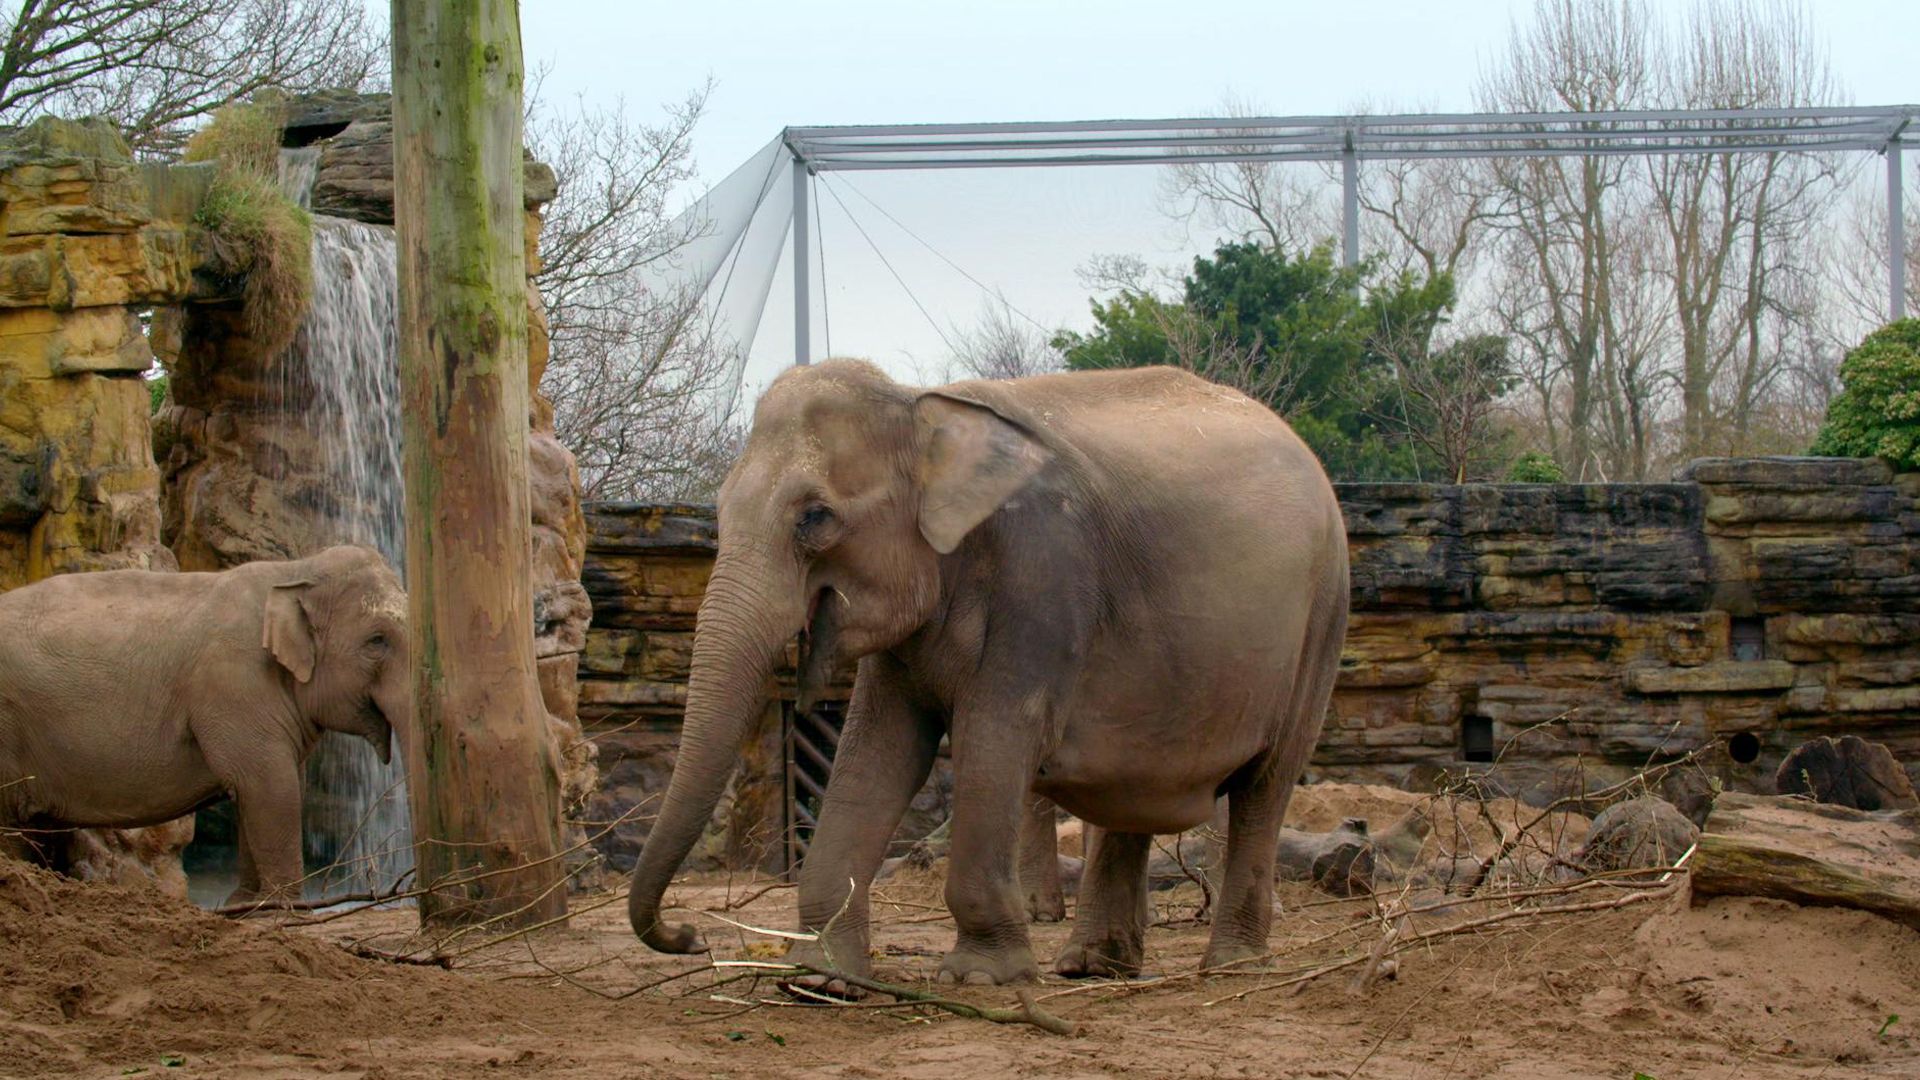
x=156, y=393
x=1323, y=345
x=1877, y=412
x=1534, y=467
x=256, y=233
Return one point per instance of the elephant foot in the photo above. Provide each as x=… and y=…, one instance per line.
x=822, y=960
x=1111, y=958
x=970, y=965
x=262, y=897
x=1238, y=955
x=1043, y=906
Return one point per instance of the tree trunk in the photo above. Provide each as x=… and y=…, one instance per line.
x=485, y=787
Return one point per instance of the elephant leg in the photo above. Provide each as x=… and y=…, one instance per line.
x=1243, y=912
x=1257, y=796
x=993, y=764
x=1040, y=862
x=247, y=890
x=1110, y=924
x=883, y=759
x=268, y=804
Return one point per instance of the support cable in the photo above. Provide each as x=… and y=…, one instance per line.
x=981, y=285
x=896, y=274
x=820, y=241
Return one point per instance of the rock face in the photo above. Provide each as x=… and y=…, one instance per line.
x=1574, y=631
x=82, y=241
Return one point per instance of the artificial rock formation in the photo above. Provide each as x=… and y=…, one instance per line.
x=88, y=239
x=91, y=242
x=252, y=442
x=1576, y=631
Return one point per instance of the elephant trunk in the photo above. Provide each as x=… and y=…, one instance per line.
x=739, y=633
x=393, y=698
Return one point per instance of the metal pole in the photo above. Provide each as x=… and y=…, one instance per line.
x=802, y=247
x=1349, y=205
x=1896, y=233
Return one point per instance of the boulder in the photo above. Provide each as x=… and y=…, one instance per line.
x=1643, y=832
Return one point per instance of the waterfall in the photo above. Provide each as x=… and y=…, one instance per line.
x=299, y=167
x=342, y=388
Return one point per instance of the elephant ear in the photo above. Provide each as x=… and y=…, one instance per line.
x=286, y=631
x=972, y=460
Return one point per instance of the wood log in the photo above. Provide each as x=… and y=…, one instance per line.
x=1732, y=866
x=1812, y=854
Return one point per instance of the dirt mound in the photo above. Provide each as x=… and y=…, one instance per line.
x=98, y=973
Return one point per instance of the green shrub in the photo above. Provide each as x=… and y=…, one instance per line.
x=156, y=392
x=1877, y=412
x=254, y=230
x=1534, y=467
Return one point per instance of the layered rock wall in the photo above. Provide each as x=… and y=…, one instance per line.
x=1573, y=631
x=89, y=239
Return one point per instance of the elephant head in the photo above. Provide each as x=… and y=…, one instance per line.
x=338, y=625
x=833, y=522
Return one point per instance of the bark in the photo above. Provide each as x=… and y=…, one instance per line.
x=1734, y=866
x=485, y=785
x=1811, y=854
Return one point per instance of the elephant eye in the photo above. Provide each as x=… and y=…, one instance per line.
x=812, y=518
x=377, y=642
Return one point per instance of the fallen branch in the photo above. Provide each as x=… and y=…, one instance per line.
x=368, y=952
x=1405, y=942
x=1027, y=1013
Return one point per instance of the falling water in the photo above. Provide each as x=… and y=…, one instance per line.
x=299, y=167
x=342, y=384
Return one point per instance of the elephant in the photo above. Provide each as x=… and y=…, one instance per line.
x=132, y=697
x=1123, y=591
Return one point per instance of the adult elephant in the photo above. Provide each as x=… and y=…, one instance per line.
x=1125, y=591
x=129, y=698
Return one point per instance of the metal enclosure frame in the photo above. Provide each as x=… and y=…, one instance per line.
x=1877, y=129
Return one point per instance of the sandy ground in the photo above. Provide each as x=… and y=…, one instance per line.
x=110, y=981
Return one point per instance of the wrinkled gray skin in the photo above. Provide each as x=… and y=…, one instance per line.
x=1122, y=591
x=129, y=698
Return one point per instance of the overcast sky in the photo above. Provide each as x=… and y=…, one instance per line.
x=1025, y=232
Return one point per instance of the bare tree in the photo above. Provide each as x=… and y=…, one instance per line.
x=1428, y=216
x=1003, y=344
x=1284, y=208
x=648, y=413
x=156, y=66
x=1451, y=400
x=1738, y=227
x=641, y=381
x=1559, y=235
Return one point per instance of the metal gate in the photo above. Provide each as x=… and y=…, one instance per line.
x=811, y=740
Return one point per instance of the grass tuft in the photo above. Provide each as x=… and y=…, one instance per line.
x=256, y=232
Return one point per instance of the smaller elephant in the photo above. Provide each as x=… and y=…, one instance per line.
x=129, y=697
